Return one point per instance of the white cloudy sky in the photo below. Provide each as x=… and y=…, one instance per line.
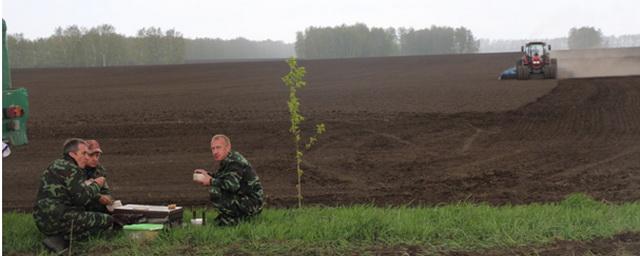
x=281, y=19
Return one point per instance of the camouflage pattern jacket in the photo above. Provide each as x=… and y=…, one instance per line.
x=236, y=178
x=98, y=171
x=63, y=188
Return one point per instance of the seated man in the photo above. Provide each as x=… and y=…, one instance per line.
x=63, y=194
x=235, y=190
x=93, y=171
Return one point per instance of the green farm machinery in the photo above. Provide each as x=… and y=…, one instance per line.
x=15, y=102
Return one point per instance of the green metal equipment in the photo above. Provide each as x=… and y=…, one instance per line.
x=15, y=102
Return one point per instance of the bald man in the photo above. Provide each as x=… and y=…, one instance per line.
x=235, y=188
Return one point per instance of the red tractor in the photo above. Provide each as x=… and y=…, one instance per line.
x=536, y=61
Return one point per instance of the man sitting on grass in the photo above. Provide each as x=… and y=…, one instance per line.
x=235, y=188
x=95, y=170
x=63, y=194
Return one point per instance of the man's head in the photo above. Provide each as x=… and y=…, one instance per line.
x=76, y=149
x=220, y=147
x=94, y=152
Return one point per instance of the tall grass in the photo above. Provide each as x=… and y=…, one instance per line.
x=320, y=230
x=19, y=233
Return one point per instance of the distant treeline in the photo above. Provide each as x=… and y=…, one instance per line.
x=203, y=49
x=360, y=41
x=102, y=46
x=96, y=47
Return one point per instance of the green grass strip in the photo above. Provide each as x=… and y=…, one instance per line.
x=319, y=230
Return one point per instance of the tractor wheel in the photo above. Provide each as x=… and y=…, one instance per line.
x=520, y=70
x=550, y=70
x=554, y=68
x=547, y=71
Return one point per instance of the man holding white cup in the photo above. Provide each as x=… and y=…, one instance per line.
x=235, y=189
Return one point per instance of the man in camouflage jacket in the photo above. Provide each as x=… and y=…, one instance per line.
x=95, y=170
x=235, y=188
x=63, y=194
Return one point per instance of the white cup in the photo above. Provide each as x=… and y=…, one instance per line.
x=115, y=204
x=198, y=176
x=196, y=221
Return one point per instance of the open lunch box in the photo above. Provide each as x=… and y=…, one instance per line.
x=154, y=214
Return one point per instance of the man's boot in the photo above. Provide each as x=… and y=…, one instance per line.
x=56, y=244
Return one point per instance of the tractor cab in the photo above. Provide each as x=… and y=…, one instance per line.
x=536, y=48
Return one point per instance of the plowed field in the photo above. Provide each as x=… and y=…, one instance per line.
x=400, y=130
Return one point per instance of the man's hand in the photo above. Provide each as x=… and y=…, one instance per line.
x=105, y=200
x=100, y=181
x=203, y=179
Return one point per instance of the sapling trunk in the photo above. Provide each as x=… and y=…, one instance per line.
x=294, y=80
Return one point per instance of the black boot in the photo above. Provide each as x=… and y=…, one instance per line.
x=56, y=244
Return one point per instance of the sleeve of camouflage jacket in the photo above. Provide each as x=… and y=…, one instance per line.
x=229, y=180
x=102, y=172
x=81, y=192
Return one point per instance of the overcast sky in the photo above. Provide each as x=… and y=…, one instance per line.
x=281, y=19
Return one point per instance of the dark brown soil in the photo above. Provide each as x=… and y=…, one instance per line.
x=402, y=130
